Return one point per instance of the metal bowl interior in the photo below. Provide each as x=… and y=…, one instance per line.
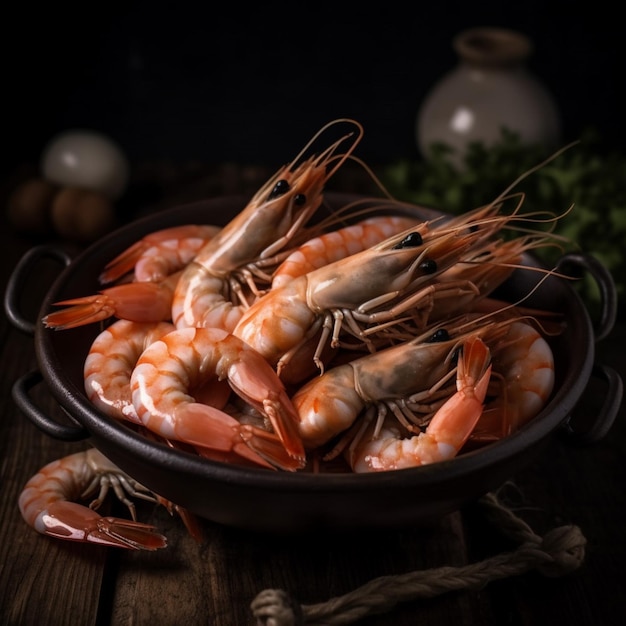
x=268, y=501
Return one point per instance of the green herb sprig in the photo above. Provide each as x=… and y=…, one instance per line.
x=585, y=176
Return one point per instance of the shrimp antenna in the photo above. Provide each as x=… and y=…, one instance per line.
x=532, y=170
x=330, y=150
x=512, y=305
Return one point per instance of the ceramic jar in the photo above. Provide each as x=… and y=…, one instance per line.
x=490, y=89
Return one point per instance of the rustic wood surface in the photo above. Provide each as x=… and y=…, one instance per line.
x=215, y=581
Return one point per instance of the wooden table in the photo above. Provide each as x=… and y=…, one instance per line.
x=43, y=580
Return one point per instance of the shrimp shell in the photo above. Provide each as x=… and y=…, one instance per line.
x=339, y=244
x=47, y=503
x=160, y=253
x=172, y=369
x=394, y=380
x=110, y=362
x=524, y=379
x=212, y=289
x=447, y=431
x=372, y=286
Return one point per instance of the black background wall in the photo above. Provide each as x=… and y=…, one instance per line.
x=214, y=82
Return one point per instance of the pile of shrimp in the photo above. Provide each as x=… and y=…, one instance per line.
x=367, y=340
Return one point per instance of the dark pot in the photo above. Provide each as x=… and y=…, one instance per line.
x=276, y=501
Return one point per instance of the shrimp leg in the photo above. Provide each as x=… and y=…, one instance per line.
x=46, y=503
x=448, y=430
x=213, y=288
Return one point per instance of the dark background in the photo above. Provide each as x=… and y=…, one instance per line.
x=187, y=82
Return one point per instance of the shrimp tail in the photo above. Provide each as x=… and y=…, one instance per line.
x=136, y=302
x=217, y=435
x=448, y=430
x=257, y=383
x=123, y=264
x=75, y=522
x=270, y=447
x=453, y=424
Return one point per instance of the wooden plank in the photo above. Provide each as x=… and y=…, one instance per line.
x=38, y=575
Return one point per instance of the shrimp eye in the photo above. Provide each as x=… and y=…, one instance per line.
x=412, y=240
x=441, y=334
x=280, y=189
x=300, y=199
x=428, y=266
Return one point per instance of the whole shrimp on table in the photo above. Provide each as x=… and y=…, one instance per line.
x=47, y=503
x=172, y=371
x=213, y=289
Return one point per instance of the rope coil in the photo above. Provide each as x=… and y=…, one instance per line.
x=559, y=552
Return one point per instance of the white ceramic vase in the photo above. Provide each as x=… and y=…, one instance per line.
x=490, y=89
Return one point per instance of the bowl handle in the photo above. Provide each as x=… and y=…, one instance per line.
x=572, y=264
x=607, y=413
x=18, y=281
x=45, y=423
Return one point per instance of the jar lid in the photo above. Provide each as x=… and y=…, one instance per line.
x=492, y=47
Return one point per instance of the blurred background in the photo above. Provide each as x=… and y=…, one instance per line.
x=182, y=81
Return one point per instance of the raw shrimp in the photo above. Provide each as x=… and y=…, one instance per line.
x=159, y=254
x=212, y=289
x=523, y=378
x=137, y=302
x=372, y=286
x=391, y=448
x=111, y=360
x=172, y=368
x=47, y=503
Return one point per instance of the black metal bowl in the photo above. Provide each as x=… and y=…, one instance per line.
x=300, y=502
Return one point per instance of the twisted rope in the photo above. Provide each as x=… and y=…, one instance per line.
x=560, y=551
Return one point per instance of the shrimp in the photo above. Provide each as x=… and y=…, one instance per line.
x=172, y=368
x=523, y=365
x=391, y=448
x=159, y=254
x=136, y=302
x=371, y=286
x=212, y=289
x=397, y=380
x=47, y=503
x=339, y=244
x=111, y=360
x=465, y=285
